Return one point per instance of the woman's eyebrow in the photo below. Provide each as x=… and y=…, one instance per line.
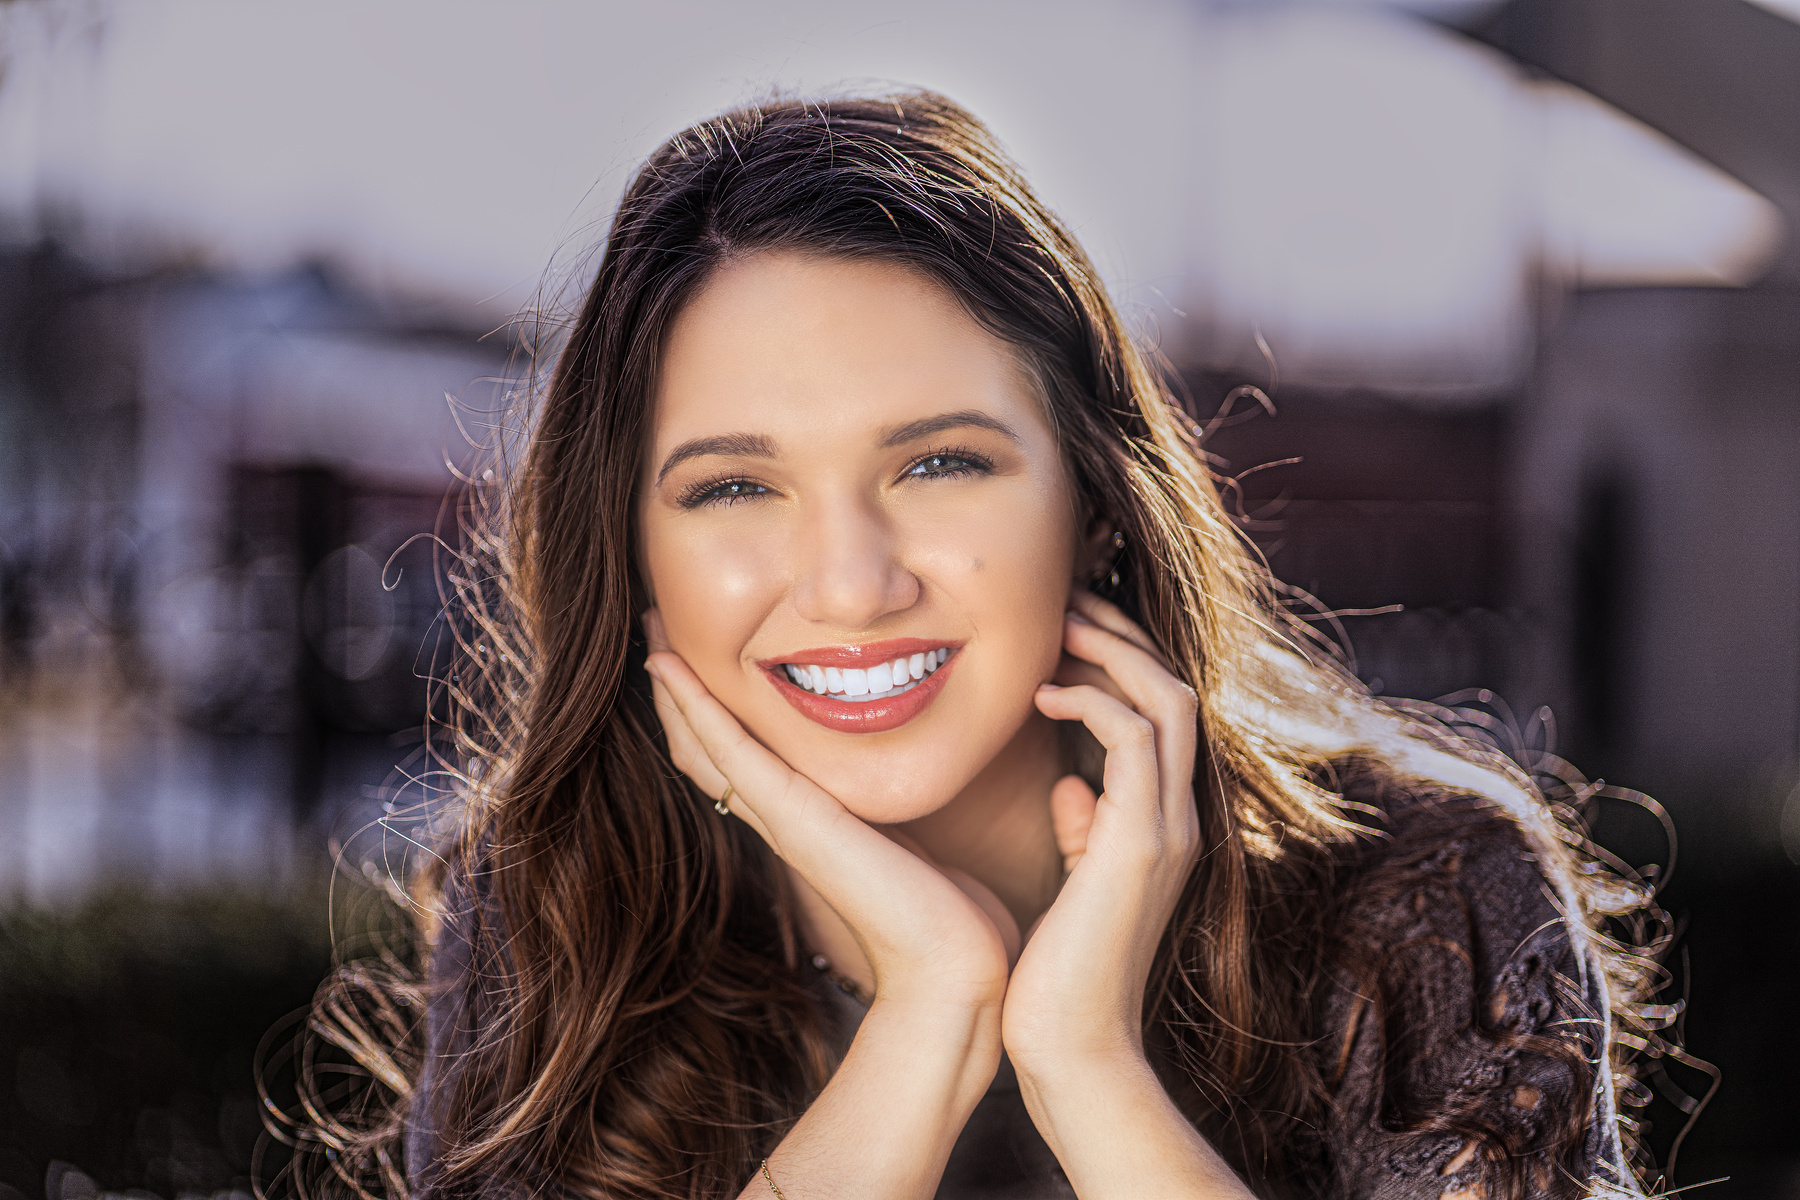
x=746, y=445
x=961, y=419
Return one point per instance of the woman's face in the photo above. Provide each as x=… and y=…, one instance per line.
x=849, y=480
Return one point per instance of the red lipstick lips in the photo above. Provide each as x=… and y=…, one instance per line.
x=866, y=716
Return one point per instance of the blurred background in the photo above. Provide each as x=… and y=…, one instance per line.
x=1520, y=277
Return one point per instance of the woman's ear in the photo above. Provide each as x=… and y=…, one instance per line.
x=1099, y=550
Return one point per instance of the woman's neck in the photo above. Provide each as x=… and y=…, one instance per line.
x=998, y=828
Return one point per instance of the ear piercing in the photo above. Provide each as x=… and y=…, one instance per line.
x=1109, y=570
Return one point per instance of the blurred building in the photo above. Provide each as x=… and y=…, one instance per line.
x=219, y=557
x=1658, y=491
x=1612, y=526
x=295, y=437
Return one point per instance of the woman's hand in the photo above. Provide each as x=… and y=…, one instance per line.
x=926, y=936
x=1073, y=1016
x=1079, y=986
x=930, y=1042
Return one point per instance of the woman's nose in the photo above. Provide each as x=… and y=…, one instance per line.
x=850, y=572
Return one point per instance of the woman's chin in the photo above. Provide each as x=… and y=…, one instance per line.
x=884, y=793
x=911, y=808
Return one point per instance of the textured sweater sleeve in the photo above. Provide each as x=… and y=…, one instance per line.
x=1466, y=1047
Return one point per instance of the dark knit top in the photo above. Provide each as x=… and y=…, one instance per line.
x=1478, y=1010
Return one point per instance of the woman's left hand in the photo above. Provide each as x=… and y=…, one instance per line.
x=1073, y=1016
x=1078, y=988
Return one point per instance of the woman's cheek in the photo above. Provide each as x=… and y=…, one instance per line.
x=1023, y=585
x=713, y=595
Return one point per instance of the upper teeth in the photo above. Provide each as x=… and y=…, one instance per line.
x=855, y=683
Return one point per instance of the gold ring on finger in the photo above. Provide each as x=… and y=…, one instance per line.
x=722, y=804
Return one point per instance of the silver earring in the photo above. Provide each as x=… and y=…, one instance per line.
x=1109, y=570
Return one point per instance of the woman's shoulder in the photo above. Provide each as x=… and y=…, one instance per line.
x=1427, y=842
x=1466, y=1028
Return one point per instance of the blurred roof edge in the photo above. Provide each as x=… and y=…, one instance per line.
x=338, y=296
x=1720, y=78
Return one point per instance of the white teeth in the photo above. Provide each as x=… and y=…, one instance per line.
x=877, y=682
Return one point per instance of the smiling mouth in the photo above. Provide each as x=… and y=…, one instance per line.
x=857, y=685
x=871, y=688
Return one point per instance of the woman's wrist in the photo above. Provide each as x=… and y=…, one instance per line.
x=1110, y=1063
x=960, y=1040
x=886, y=1122
x=1074, y=1046
x=1117, y=1133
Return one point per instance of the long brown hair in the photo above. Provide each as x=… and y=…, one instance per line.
x=645, y=1031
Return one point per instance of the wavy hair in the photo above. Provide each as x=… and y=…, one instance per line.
x=646, y=1032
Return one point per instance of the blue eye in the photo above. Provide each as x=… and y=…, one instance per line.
x=943, y=464
x=724, y=491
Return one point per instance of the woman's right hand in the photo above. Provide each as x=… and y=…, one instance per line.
x=929, y=939
x=928, y=1047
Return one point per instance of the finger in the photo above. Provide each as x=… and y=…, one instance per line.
x=684, y=747
x=785, y=804
x=1072, y=804
x=691, y=759
x=1112, y=618
x=1170, y=705
x=1146, y=682
x=1073, y=672
x=1132, y=772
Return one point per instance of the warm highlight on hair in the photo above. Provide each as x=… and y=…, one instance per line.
x=647, y=1032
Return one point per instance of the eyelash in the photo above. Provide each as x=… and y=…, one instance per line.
x=974, y=464
x=712, y=491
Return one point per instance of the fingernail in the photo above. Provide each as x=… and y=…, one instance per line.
x=655, y=673
x=1049, y=687
x=1075, y=616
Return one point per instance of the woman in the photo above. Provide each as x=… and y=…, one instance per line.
x=892, y=774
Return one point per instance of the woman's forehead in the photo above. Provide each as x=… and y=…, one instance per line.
x=802, y=350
